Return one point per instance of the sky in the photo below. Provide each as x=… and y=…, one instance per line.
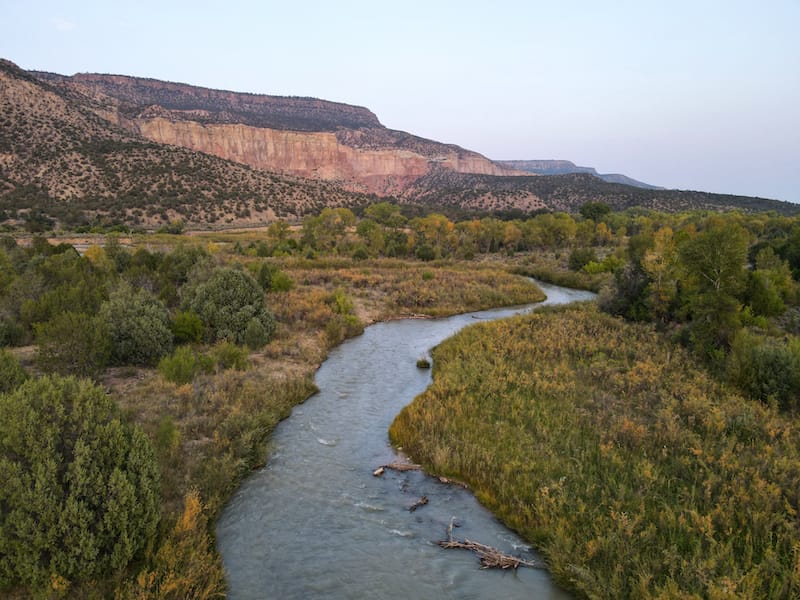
x=688, y=94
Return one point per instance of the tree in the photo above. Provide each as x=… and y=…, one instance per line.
x=594, y=210
x=226, y=303
x=80, y=493
x=138, y=327
x=714, y=261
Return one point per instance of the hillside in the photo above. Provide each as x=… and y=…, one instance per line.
x=113, y=149
x=569, y=192
x=58, y=157
x=305, y=137
x=565, y=167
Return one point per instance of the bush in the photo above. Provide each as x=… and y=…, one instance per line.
x=73, y=344
x=230, y=356
x=766, y=369
x=580, y=257
x=256, y=336
x=12, y=375
x=187, y=327
x=11, y=333
x=226, y=304
x=138, y=327
x=281, y=282
x=80, y=491
x=183, y=365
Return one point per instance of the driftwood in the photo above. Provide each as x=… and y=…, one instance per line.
x=400, y=466
x=421, y=502
x=396, y=466
x=491, y=558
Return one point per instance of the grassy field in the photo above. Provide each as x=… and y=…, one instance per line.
x=635, y=473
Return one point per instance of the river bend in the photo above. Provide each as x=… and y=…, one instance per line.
x=315, y=523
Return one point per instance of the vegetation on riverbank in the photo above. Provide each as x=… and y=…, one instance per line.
x=209, y=406
x=636, y=473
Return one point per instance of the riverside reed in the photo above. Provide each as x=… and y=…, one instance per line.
x=635, y=473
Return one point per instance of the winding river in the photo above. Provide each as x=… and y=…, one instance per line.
x=315, y=523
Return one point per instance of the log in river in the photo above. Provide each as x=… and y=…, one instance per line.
x=316, y=523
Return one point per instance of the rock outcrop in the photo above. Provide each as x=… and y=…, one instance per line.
x=304, y=137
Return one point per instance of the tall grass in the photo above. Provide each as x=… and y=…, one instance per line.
x=635, y=473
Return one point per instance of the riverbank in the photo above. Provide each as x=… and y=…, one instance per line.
x=211, y=433
x=634, y=473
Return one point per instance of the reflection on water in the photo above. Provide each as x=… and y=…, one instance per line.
x=315, y=523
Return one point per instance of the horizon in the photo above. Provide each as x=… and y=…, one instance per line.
x=681, y=96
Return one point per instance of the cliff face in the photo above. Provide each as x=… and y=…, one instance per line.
x=316, y=155
x=305, y=137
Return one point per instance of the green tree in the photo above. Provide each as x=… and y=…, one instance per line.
x=594, y=210
x=714, y=262
x=226, y=303
x=138, y=327
x=80, y=493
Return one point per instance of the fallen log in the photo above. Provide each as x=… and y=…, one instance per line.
x=396, y=466
x=491, y=558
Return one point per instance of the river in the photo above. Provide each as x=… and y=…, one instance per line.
x=315, y=523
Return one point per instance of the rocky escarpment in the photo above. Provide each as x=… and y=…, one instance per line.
x=304, y=137
x=318, y=155
x=61, y=158
x=566, y=167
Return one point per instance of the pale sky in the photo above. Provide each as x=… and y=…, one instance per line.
x=690, y=94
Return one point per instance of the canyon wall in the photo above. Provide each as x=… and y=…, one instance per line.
x=318, y=155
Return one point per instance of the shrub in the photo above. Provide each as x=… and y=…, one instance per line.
x=281, y=282
x=80, y=490
x=256, y=336
x=425, y=252
x=226, y=303
x=12, y=375
x=230, y=356
x=138, y=327
x=187, y=327
x=423, y=363
x=580, y=257
x=73, y=344
x=183, y=365
x=11, y=333
x=766, y=369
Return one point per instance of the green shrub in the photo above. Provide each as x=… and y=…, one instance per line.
x=183, y=365
x=230, y=356
x=80, y=491
x=73, y=344
x=281, y=282
x=187, y=327
x=12, y=375
x=226, y=303
x=580, y=257
x=138, y=327
x=256, y=336
x=11, y=333
x=766, y=369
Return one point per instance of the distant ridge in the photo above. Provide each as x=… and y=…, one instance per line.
x=118, y=149
x=564, y=167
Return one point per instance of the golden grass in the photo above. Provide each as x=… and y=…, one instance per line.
x=635, y=473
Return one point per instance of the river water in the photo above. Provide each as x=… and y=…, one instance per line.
x=315, y=523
